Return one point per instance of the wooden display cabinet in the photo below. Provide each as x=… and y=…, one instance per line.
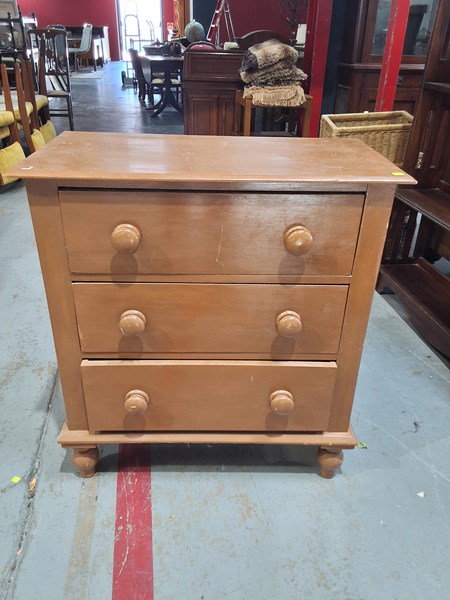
x=419, y=230
x=364, y=40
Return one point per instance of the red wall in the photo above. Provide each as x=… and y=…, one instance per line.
x=252, y=15
x=97, y=12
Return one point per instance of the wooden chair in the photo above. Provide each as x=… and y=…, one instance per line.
x=33, y=98
x=139, y=79
x=9, y=100
x=40, y=116
x=81, y=52
x=14, y=44
x=52, y=69
x=33, y=137
x=285, y=123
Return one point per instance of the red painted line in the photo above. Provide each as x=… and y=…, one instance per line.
x=133, y=544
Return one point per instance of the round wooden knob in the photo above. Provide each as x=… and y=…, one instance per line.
x=136, y=402
x=126, y=238
x=281, y=402
x=132, y=322
x=298, y=240
x=289, y=323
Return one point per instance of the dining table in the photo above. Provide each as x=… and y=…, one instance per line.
x=167, y=65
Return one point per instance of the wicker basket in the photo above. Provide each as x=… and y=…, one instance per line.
x=386, y=132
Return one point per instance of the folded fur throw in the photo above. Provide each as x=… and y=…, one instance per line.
x=267, y=54
x=281, y=73
x=287, y=95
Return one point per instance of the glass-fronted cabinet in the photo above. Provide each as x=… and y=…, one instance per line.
x=418, y=28
x=365, y=38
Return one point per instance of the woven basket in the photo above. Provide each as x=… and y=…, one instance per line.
x=386, y=132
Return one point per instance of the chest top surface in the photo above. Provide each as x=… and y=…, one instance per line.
x=110, y=158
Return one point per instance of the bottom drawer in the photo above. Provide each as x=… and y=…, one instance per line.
x=193, y=395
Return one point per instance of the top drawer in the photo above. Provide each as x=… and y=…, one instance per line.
x=188, y=233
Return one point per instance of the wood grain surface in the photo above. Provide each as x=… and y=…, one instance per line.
x=207, y=233
x=202, y=319
x=208, y=395
x=183, y=160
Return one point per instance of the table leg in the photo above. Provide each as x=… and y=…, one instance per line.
x=167, y=99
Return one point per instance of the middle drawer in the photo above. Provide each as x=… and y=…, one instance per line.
x=274, y=320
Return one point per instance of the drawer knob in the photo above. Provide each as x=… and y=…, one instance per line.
x=136, y=402
x=132, y=322
x=289, y=323
x=281, y=402
x=126, y=238
x=298, y=240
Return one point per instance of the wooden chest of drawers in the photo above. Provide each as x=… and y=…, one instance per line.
x=208, y=289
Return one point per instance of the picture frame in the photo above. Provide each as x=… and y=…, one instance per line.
x=9, y=6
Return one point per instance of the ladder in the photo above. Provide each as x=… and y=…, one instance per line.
x=222, y=8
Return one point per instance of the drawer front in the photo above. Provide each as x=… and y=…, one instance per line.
x=207, y=318
x=208, y=233
x=208, y=395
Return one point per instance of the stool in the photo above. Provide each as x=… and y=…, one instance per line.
x=243, y=117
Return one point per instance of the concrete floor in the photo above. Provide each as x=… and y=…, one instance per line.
x=240, y=523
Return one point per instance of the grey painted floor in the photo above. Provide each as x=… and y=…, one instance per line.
x=241, y=523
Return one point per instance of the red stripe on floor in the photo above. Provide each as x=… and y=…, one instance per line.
x=133, y=552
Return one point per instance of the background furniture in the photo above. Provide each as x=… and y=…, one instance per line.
x=13, y=41
x=28, y=120
x=419, y=231
x=172, y=70
x=81, y=51
x=139, y=80
x=11, y=152
x=364, y=37
x=210, y=81
x=200, y=291
x=100, y=35
x=52, y=70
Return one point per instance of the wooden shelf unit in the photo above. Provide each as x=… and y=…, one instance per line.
x=419, y=229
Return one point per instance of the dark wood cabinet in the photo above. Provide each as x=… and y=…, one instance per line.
x=210, y=83
x=364, y=40
x=419, y=229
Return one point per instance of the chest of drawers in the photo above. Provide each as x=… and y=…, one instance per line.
x=208, y=289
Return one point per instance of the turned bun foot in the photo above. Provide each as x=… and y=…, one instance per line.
x=85, y=460
x=329, y=459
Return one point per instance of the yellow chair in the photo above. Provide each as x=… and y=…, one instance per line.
x=12, y=152
x=40, y=117
x=33, y=137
